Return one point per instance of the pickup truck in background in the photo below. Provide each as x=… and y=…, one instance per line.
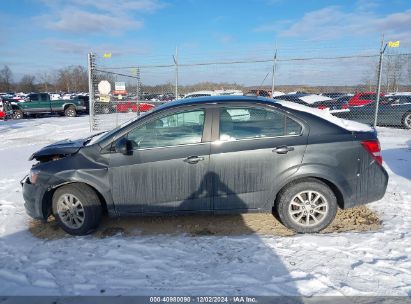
x=40, y=103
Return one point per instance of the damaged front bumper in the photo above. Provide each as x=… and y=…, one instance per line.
x=33, y=198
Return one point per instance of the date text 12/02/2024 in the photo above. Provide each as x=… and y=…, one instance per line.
x=203, y=299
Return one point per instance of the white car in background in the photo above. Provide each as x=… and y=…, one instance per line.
x=55, y=96
x=214, y=93
x=200, y=94
x=229, y=92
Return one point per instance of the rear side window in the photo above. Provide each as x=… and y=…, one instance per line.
x=292, y=127
x=246, y=123
x=44, y=97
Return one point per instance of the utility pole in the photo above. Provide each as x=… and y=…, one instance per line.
x=138, y=89
x=175, y=58
x=377, y=101
x=273, y=74
x=91, y=64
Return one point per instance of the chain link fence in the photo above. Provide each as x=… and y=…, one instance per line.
x=346, y=85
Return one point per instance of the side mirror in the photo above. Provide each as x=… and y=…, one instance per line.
x=124, y=146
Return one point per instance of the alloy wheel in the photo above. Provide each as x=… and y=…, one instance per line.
x=308, y=208
x=71, y=211
x=407, y=121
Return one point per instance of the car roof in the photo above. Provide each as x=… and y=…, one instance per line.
x=215, y=99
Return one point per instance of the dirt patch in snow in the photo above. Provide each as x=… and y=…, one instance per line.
x=358, y=219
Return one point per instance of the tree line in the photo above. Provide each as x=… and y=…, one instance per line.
x=68, y=79
x=396, y=76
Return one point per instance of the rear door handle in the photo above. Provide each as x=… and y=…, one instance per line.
x=283, y=149
x=193, y=159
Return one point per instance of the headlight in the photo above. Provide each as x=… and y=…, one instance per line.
x=33, y=175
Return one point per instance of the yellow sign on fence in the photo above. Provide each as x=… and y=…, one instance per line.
x=394, y=43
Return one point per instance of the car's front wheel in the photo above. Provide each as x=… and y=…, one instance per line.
x=406, y=121
x=307, y=206
x=77, y=209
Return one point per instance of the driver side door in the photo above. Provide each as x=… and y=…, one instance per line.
x=167, y=169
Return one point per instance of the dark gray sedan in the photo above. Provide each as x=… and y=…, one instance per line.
x=392, y=111
x=215, y=155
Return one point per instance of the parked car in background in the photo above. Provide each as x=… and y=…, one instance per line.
x=258, y=92
x=133, y=106
x=86, y=101
x=151, y=97
x=337, y=104
x=55, y=96
x=200, y=94
x=334, y=95
x=362, y=98
x=392, y=111
x=229, y=92
x=216, y=155
x=310, y=100
x=40, y=103
x=5, y=109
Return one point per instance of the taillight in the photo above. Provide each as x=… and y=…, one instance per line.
x=321, y=107
x=373, y=147
x=344, y=106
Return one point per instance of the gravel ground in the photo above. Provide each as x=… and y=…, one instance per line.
x=357, y=219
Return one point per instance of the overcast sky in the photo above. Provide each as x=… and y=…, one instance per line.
x=36, y=35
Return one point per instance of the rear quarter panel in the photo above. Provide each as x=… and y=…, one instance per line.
x=333, y=158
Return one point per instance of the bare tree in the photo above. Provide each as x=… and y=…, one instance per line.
x=47, y=80
x=393, y=71
x=27, y=83
x=6, y=78
x=72, y=79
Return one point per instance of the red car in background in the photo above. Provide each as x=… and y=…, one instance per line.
x=362, y=98
x=5, y=109
x=131, y=106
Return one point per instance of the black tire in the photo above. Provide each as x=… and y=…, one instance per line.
x=91, y=208
x=70, y=111
x=18, y=114
x=288, y=202
x=406, y=120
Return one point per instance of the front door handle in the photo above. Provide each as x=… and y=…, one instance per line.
x=193, y=159
x=283, y=149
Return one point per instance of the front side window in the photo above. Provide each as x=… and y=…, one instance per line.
x=243, y=123
x=34, y=97
x=172, y=130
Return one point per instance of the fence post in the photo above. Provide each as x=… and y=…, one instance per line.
x=175, y=57
x=273, y=75
x=90, y=61
x=138, y=90
x=377, y=101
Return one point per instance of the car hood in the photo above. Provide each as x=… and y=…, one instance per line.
x=64, y=147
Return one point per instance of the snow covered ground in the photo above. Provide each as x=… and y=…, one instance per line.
x=366, y=263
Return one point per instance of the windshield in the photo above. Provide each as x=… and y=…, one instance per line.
x=98, y=137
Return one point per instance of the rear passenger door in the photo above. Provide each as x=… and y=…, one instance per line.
x=254, y=149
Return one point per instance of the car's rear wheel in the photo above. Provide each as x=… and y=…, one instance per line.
x=70, y=111
x=406, y=121
x=17, y=114
x=307, y=206
x=77, y=209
